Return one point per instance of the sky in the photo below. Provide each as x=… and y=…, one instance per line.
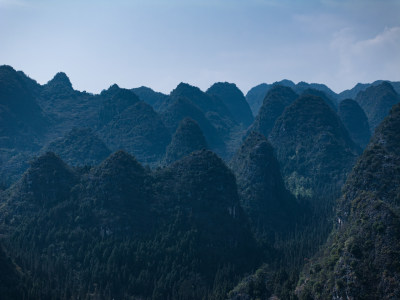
x=160, y=43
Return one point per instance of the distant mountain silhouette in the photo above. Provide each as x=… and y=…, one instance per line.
x=213, y=108
x=234, y=100
x=359, y=87
x=256, y=95
x=114, y=101
x=302, y=86
x=66, y=107
x=275, y=102
x=138, y=130
x=151, y=97
x=310, y=91
x=59, y=85
x=377, y=101
x=355, y=121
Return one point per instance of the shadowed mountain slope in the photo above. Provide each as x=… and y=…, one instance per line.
x=360, y=259
x=355, y=121
x=277, y=99
x=234, y=100
x=187, y=139
x=79, y=147
x=377, y=101
x=313, y=147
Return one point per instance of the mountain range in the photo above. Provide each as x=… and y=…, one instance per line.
x=289, y=192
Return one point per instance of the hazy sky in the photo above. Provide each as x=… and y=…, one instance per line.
x=161, y=43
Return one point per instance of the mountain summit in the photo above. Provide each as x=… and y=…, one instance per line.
x=377, y=101
x=234, y=100
x=313, y=146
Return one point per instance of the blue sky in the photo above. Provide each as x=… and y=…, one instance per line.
x=161, y=43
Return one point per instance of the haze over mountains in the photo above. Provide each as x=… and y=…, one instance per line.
x=134, y=194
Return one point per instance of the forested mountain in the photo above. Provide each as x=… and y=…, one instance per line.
x=275, y=102
x=119, y=230
x=114, y=101
x=314, y=92
x=207, y=103
x=139, y=130
x=22, y=121
x=234, y=100
x=23, y=124
x=360, y=259
x=149, y=96
x=313, y=147
x=66, y=107
x=359, y=87
x=11, y=286
x=271, y=208
x=79, y=147
x=183, y=108
x=187, y=139
x=212, y=107
x=256, y=95
x=355, y=121
x=115, y=195
x=377, y=101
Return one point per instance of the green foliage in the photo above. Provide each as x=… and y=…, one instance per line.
x=313, y=147
x=80, y=147
x=155, y=99
x=138, y=130
x=117, y=230
x=360, y=258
